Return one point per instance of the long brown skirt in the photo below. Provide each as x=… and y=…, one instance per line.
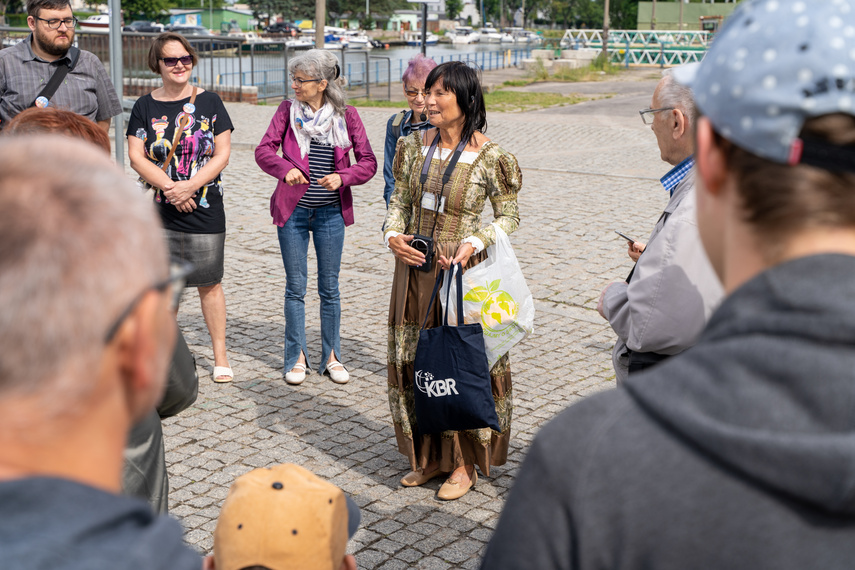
x=411, y=291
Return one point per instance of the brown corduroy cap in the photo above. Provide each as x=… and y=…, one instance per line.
x=284, y=517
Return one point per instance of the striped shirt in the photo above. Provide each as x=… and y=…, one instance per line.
x=86, y=90
x=676, y=174
x=321, y=163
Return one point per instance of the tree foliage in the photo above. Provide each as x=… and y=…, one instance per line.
x=149, y=9
x=453, y=9
x=357, y=7
x=290, y=10
x=623, y=14
x=10, y=7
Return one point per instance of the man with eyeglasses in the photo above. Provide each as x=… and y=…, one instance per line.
x=26, y=69
x=661, y=308
x=87, y=329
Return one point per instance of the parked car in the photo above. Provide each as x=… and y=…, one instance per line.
x=144, y=27
x=190, y=30
x=281, y=28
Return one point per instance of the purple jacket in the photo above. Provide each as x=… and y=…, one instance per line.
x=279, y=135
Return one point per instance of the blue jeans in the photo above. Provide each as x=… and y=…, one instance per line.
x=327, y=228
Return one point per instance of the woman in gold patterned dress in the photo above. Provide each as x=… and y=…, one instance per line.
x=451, y=214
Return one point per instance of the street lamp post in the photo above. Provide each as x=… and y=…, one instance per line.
x=606, y=32
x=320, y=20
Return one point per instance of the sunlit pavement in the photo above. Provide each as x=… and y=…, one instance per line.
x=586, y=173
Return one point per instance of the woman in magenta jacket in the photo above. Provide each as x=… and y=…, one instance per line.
x=315, y=132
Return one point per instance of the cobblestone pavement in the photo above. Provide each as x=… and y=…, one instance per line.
x=584, y=175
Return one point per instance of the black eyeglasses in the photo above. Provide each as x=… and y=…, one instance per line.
x=185, y=60
x=178, y=271
x=55, y=23
x=647, y=114
x=300, y=82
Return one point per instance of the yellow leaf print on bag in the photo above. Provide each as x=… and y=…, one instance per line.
x=498, y=308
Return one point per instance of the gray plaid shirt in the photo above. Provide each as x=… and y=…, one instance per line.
x=86, y=90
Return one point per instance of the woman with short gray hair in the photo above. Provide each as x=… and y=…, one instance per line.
x=315, y=132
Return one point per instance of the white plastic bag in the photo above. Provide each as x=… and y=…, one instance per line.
x=495, y=294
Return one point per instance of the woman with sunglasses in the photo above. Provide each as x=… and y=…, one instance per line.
x=179, y=141
x=403, y=123
x=315, y=132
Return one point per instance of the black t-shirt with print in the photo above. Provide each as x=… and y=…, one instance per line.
x=154, y=123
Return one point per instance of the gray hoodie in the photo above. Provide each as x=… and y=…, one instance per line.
x=57, y=524
x=739, y=453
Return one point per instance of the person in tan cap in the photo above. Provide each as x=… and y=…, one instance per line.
x=284, y=517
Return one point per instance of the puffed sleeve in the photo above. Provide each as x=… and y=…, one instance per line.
x=503, y=183
x=401, y=204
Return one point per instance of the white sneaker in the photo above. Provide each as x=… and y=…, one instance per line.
x=338, y=373
x=297, y=377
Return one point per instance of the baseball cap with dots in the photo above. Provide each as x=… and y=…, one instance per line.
x=775, y=64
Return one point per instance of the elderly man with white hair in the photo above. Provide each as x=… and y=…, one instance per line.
x=662, y=306
x=87, y=329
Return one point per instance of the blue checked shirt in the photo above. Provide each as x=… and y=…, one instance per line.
x=676, y=174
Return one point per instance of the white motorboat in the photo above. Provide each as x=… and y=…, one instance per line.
x=464, y=35
x=300, y=43
x=506, y=37
x=95, y=22
x=490, y=35
x=356, y=39
x=9, y=42
x=522, y=36
x=415, y=39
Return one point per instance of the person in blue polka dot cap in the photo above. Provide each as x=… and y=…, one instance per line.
x=738, y=453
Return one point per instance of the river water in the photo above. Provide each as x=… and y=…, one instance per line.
x=377, y=67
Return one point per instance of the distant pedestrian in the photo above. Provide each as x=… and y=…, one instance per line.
x=315, y=132
x=740, y=452
x=403, y=123
x=189, y=191
x=449, y=214
x=26, y=69
x=661, y=308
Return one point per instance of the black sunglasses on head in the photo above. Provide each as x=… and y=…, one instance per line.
x=173, y=61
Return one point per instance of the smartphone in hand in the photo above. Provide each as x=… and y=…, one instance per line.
x=626, y=237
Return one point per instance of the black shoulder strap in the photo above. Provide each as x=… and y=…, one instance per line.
x=396, y=124
x=57, y=77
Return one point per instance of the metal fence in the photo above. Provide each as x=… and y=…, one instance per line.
x=229, y=64
x=594, y=38
x=661, y=57
x=370, y=75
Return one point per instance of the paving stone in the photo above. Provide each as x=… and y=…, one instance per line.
x=584, y=175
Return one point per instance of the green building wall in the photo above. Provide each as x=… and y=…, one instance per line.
x=668, y=14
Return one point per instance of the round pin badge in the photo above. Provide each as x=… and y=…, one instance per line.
x=42, y=102
x=299, y=123
x=189, y=108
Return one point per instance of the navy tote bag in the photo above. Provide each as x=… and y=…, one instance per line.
x=451, y=383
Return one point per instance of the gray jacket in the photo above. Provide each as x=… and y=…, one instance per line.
x=737, y=454
x=673, y=290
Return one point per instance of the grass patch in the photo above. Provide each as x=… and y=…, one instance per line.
x=497, y=101
x=515, y=101
x=518, y=82
x=362, y=102
x=598, y=70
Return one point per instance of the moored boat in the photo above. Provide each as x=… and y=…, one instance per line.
x=95, y=22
